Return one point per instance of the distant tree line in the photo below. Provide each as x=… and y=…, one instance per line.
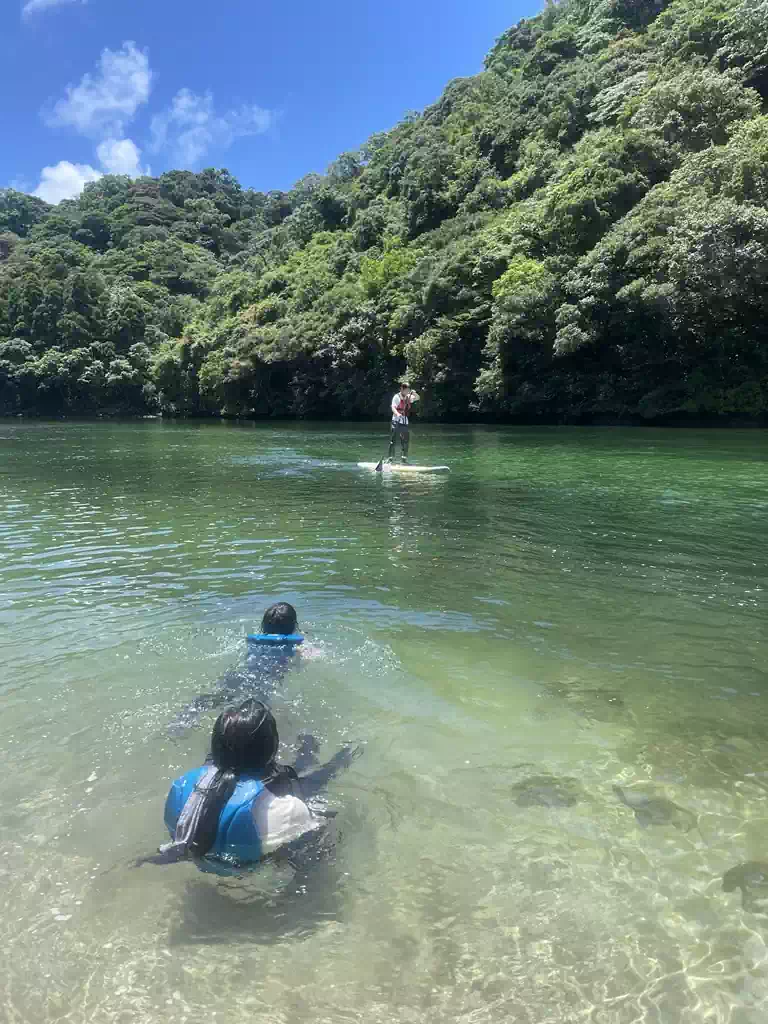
x=577, y=234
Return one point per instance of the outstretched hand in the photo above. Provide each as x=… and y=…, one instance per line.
x=348, y=755
x=313, y=782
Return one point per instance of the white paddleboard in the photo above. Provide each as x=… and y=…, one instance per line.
x=399, y=467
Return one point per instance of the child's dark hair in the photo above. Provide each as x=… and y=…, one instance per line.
x=279, y=618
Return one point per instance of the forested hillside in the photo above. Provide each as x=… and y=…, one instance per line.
x=579, y=233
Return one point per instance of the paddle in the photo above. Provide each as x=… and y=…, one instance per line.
x=380, y=465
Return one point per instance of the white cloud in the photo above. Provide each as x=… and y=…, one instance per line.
x=102, y=103
x=121, y=156
x=64, y=181
x=191, y=126
x=99, y=107
x=36, y=6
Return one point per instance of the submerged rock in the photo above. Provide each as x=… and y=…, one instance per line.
x=596, y=704
x=655, y=810
x=608, y=698
x=752, y=878
x=547, y=791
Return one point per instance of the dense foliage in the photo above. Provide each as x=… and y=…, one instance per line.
x=580, y=232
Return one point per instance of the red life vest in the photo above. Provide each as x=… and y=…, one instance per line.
x=404, y=406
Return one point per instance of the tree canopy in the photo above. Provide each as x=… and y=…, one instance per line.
x=578, y=233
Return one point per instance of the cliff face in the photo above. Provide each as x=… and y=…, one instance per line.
x=580, y=232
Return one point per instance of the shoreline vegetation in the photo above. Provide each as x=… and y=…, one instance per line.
x=576, y=235
x=681, y=422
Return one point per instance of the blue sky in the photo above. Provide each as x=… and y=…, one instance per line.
x=270, y=90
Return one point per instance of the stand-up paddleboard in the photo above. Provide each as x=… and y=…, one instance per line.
x=400, y=467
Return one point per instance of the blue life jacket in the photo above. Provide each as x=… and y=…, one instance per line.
x=289, y=641
x=237, y=846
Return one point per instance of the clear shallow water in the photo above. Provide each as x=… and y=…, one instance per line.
x=582, y=603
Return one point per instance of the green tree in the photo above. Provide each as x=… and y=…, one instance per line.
x=577, y=232
x=20, y=212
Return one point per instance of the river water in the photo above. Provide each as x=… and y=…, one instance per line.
x=584, y=604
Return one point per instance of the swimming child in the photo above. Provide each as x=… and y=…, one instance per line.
x=270, y=653
x=271, y=650
x=241, y=805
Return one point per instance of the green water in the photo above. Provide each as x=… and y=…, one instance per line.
x=581, y=603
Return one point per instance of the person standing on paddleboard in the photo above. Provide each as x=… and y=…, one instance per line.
x=402, y=402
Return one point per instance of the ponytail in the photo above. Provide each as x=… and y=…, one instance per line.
x=206, y=824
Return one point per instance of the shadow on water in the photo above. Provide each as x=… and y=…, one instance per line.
x=223, y=913
x=280, y=901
